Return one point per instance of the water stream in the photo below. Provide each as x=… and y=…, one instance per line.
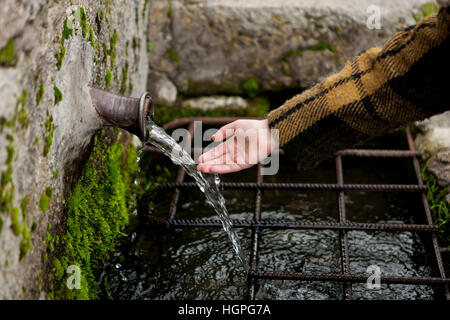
x=197, y=263
x=208, y=184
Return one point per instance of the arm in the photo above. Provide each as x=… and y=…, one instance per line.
x=382, y=89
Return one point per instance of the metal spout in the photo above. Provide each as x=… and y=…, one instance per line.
x=130, y=114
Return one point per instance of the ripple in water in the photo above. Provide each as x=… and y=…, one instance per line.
x=197, y=263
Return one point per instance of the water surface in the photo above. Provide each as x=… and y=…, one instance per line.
x=197, y=263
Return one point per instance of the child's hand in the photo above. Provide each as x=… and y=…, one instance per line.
x=250, y=142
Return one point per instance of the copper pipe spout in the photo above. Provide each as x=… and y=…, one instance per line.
x=130, y=114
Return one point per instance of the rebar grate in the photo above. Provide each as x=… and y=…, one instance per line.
x=257, y=224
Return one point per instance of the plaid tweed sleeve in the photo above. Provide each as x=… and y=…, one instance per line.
x=382, y=89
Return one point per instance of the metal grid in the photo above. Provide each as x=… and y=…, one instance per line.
x=343, y=226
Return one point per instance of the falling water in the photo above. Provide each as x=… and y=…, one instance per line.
x=208, y=184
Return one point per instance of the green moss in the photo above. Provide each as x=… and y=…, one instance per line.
x=98, y=21
x=23, y=206
x=112, y=47
x=21, y=111
x=169, y=11
x=136, y=15
x=6, y=178
x=83, y=22
x=10, y=154
x=51, y=247
x=322, y=46
x=172, y=55
x=251, y=87
x=15, y=223
x=50, y=130
x=292, y=54
x=425, y=10
x=39, y=287
x=67, y=29
x=149, y=46
x=45, y=199
x=34, y=226
x=286, y=71
x=130, y=86
x=23, y=98
x=43, y=202
x=58, y=95
x=96, y=214
x=49, y=191
x=123, y=85
x=108, y=78
x=20, y=115
x=59, y=56
x=6, y=182
x=145, y=7
x=25, y=243
x=318, y=47
x=329, y=47
x=8, y=56
x=92, y=38
x=23, y=117
x=135, y=42
x=440, y=209
x=66, y=33
x=56, y=174
x=58, y=269
x=105, y=52
x=40, y=94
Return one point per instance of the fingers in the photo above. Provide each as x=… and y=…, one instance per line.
x=231, y=155
x=225, y=159
x=220, y=135
x=225, y=131
x=221, y=168
x=212, y=154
